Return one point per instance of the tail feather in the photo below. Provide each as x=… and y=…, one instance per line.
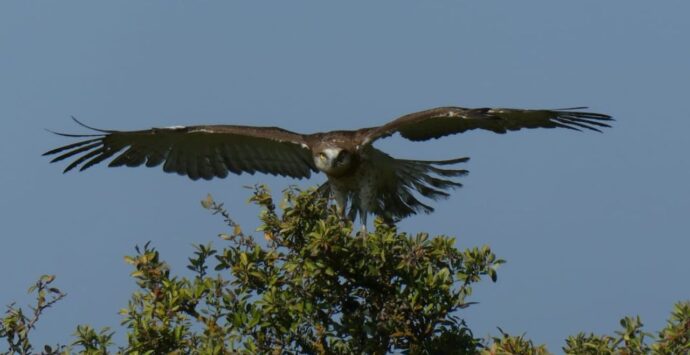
x=423, y=177
x=403, y=179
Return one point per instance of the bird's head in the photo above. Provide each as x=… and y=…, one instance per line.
x=333, y=161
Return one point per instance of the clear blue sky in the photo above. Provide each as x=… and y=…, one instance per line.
x=594, y=226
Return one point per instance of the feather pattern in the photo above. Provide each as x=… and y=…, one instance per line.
x=443, y=121
x=198, y=152
x=397, y=182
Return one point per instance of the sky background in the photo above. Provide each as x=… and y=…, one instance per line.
x=593, y=226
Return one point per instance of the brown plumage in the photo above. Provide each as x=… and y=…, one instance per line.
x=370, y=179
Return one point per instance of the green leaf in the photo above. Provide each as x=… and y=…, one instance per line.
x=208, y=202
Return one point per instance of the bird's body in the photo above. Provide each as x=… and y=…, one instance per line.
x=371, y=180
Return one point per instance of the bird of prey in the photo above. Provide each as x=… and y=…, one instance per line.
x=369, y=180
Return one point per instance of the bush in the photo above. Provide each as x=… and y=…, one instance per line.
x=312, y=286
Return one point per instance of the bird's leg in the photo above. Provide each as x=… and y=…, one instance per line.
x=341, y=205
x=363, y=219
x=364, y=205
x=342, y=212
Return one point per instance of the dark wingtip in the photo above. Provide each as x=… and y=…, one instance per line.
x=89, y=127
x=572, y=108
x=579, y=120
x=591, y=115
x=70, y=146
x=104, y=131
x=73, y=135
x=448, y=161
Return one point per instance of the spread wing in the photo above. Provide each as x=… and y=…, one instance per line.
x=195, y=151
x=443, y=121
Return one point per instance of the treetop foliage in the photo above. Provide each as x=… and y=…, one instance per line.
x=313, y=286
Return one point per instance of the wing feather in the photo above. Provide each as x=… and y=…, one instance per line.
x=70, y=146
x=170, y=165
x=181, y=162
x=227, y=154
x=99, y=158
x=82, y=159
x=259, y=157
x=294, y=161
x=135, y=157
x=205, y=168
x=219, y=167
x=75, y=152
x=399, y=180
x=245, y=157
x=192, y=167
x=198, y=151
x=443, y=121
x=154, y=157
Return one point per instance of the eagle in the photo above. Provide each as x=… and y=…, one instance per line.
x=358, y=174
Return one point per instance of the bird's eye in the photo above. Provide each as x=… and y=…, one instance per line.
x=322, y=156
